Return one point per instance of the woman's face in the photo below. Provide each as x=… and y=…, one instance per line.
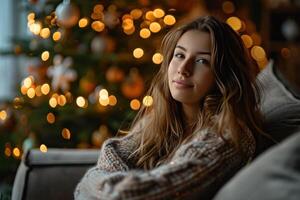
x=189, y=74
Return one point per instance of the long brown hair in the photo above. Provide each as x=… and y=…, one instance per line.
x=230, y=106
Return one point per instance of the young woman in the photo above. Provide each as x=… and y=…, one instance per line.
x=199, y=131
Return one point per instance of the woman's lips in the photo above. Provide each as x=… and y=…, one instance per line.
x=182, y=84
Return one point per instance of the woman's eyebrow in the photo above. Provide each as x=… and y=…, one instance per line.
x=199, y=52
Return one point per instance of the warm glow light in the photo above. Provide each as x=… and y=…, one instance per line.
x=150, y=16
x=157, y=58
x=103, y=94
x=228, y=7
x=147, y=101
x=45, y=55
x=83, y=22
x=136, y=13
x=53, y=102
x=155, y=27
x=56, y=36
x=31, y=93
x=81, y=102
x=28, y=82
x=145, y=33
x=66, y=134
x=30, y=16
x=158, y=13
x=248, y=42
x=43, y=148
x=263, y=63
x=3, y=115
x=50, y=118
x=98, y=26
x=45, y=89
x=112, y=100
x=129, y=31
x=104, y=102
x=16, y=152
x=256, y=39
x=135, y=104
x=169, y=20
x=38, y=91
x=235, y=23
x=61, y=100
x=258, y=53
x=138, y=53
x=35, y=28
x=98, y=8
x=24, y=90
x=7, y=151
x=45, y=33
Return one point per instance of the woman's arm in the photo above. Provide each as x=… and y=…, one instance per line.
x=198, y=167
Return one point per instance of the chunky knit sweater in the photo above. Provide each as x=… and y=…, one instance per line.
x=196, y=171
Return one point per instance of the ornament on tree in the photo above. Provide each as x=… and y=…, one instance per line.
x=98, y=45
x=61, y=73
x=100, y=135
x=67, y=14
x=133, y=86
x=114, y=74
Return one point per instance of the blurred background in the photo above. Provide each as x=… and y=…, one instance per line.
x=72, y=73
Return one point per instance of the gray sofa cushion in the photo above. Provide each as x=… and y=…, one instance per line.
x=275, y=175
x=280, y=108
x=51, y=175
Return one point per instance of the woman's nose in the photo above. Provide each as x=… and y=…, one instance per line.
x=185, y=68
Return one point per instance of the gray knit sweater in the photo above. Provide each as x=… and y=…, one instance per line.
x=197, y=170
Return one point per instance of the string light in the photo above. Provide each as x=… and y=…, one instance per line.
x=16, y=152
x=81, y=102
x=24, y=90
x=45, y=33
x=98, y=8
x=43, y=148
x=45, y=55
x=38, y=91
x=53, y=102
x=147, y=101
x=157, y=58
x=27, y=82
x=169, y=20
x=45, y=89
x=103, y=94
x=7, y=151
x=135, y=104
x=145, y=33
x=136, y=13
x=98, y=26
x=3, y=115
x=258, y=53
x=83, y=22
x=150, y=16
x=138, y=52
x=56, y=36
x=158, y=13
x=31, y=16
x=31, y=93
x=66, y=134
x=248, y=42
x=235, y=23
x=35, y=28
x=50, y=118
x=61, y=100
x=112, y=100
x=155, y=27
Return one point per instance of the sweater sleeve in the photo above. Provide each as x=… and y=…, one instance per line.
x=197, y=167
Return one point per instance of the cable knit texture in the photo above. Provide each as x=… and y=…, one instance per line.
x=196, y=171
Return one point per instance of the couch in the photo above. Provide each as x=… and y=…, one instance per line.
x=54, y=175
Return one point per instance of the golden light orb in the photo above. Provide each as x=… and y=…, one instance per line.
x=155, y=27
x=81, y=102
x=50, y=118
x=103, y=94
x=136, y=13
x=147, y=101
x=66, y=134
x=112, y=100
x=56, y=36
x=169, y=20
x=98, y=8
x=247, y=40
x=157, y=58
x=61, y=100
x=16, y=152
x=145, y=33
x=53, y=102
x=235, y=23
x=27, y=82
x=228, y=7
x=45, y=55
x=45, y=33
x=31, y=93
x=158, y=13
x=98, y=26
x=83, y=22
x=150, y=16
x=38, y=91
x=104, y=102
x=135, y=104
x=258, y=53
x=43, y=148
x=45, y=89
x=24, y=90
x=31, y=16
x=3, y=115
x=138, y=52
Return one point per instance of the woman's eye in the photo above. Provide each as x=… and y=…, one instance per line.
x=202, y=61
x=178, y=55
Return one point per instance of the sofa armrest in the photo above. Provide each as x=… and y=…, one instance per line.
x=51, y=175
